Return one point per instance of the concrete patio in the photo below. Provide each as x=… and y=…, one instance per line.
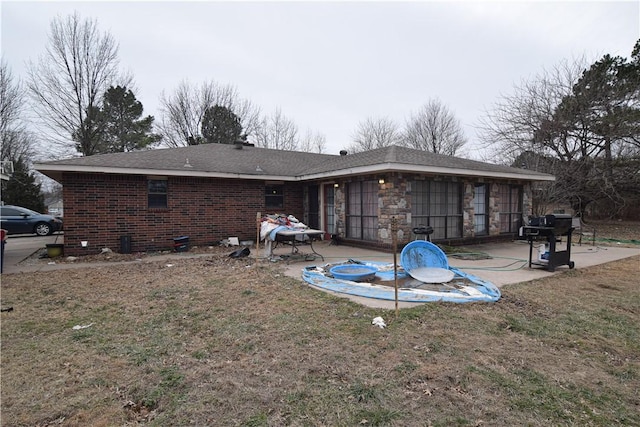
x=508, y=262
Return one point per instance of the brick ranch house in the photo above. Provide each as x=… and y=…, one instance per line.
x=213, y=191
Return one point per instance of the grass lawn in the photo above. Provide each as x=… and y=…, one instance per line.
x=220, y=342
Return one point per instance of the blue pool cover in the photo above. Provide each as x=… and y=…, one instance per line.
x=421, y=253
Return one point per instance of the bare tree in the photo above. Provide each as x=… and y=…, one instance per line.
x=11, y=99
x=375, y=133
x=182, y=115
x=15, y=142
x=579, y=123
x=183, y=111
x=277, y=132
x=510, y=131
x=510, y=128
x=434, y=128
x=68, y=81
x=313, y=142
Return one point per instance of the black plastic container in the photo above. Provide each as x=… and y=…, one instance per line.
x=125, y=244
x=181, y=244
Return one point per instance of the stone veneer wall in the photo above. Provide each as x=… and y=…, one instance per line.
x=468, y=211
x=339, y=201
x=494, y=210
x=394, y=200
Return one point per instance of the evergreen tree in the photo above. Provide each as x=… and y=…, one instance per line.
x=89, y=136
x=117, y=125
x=124, y=129
x=220, y=125
x=22, y=189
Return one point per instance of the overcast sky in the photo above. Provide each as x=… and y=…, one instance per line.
x=330, y=65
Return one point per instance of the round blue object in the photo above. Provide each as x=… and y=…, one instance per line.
x=421, y=253
x=354, y=272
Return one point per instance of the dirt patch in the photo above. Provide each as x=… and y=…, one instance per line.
x=107, y=255
x=608, y=233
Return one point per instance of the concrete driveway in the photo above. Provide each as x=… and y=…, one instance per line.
x=21, y=246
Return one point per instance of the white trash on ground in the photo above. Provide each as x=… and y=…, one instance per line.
x=77, y=327
x=379, y=322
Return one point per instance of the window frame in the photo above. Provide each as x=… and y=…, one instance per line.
x=510, y=220
x=157, y=198
x=485, y=215
x=432, y=205
x=273, y=192
x=362, y=212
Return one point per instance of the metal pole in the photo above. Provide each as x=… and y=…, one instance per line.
x=394, y=238
x=258, y=217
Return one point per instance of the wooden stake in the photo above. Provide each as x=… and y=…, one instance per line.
x=394, y=238
x=258, y=217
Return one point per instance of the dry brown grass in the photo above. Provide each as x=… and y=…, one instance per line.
x=614, y=232
x=215, y=341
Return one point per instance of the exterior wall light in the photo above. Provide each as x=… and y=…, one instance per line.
x=381, y=181
x=336, y=185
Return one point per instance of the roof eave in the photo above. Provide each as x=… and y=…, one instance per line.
x=400, y=167
x=55, y=172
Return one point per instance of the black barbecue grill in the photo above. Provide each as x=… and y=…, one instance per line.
x=423, y=230
x=551, y=229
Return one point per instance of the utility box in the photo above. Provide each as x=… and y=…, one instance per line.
x=125, y=244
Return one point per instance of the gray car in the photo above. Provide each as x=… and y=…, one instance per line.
x=18, y=220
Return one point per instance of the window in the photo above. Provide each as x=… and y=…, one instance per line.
x=439, y=205
x=157, y=193
x=330, y=209
x=274, y=197
x=362, y=210
x=10, y=212
x=480, y=214
x=510, y=206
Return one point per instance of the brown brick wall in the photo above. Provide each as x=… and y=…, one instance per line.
x=99, y=208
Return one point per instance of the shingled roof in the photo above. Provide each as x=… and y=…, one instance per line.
x=249, y=162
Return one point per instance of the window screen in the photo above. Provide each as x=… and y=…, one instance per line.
x=437, y=204
x=362, y=210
